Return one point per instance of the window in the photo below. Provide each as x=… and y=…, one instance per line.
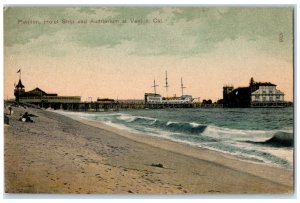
x=264, y=98
x=271, y=92
x=257, y=97
x=264, y=92
x=277, y=97
x=271, y=99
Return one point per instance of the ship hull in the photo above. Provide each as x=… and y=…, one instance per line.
x=161, y=106
x=155, y=101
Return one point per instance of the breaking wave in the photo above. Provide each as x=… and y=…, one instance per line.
x=245, y=142
x=272, y=138
x=279, y=139
x=190, y=128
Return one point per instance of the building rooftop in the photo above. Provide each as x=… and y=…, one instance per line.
x=20, y=85
x=263, y=84
x=37, y=90
x=152, y=94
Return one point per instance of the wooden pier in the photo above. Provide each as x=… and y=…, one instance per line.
x=89, y=106
x=107, y=106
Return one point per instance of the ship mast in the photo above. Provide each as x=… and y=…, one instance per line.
x=166, y=83
x=182, y=87
x=154, y=86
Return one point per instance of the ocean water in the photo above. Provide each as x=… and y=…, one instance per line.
x=264, y=135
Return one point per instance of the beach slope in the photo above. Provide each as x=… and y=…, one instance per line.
x=56, y=154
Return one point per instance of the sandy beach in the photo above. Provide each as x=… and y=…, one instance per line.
x=56, y=154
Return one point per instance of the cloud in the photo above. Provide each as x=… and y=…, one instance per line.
x=183, y=31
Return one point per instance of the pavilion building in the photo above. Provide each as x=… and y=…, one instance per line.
x=38, y=96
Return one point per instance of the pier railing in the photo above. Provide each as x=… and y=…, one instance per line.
x=266, y=104
x=115, y=106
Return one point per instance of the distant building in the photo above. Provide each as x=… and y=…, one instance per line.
x=265, y=93
x=19, y=90
x=239, y=97
x=105, y=100
x=258, y=94
x=37, y=96
x=152, y=97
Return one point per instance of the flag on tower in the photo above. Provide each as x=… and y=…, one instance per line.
x=19, y=71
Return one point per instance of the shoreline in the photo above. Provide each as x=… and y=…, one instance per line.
x=225, y=159
x=288, y=154
x=45, y=156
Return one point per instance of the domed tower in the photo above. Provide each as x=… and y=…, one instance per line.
x=19, y=90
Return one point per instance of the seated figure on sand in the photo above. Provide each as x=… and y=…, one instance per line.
x=25, y=118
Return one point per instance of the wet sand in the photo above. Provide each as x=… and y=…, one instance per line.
x=57, y=154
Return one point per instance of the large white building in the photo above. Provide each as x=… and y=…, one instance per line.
x=257, y=94
x=265, y=93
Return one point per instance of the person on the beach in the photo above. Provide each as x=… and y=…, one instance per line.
x=25, y=118
x=9, y=109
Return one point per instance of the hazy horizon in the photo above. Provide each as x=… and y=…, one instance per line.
x=207, y=47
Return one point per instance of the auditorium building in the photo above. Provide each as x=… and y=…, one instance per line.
x=258, y=94
x=38, y=96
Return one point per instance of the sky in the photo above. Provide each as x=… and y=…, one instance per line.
x=117, y=52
